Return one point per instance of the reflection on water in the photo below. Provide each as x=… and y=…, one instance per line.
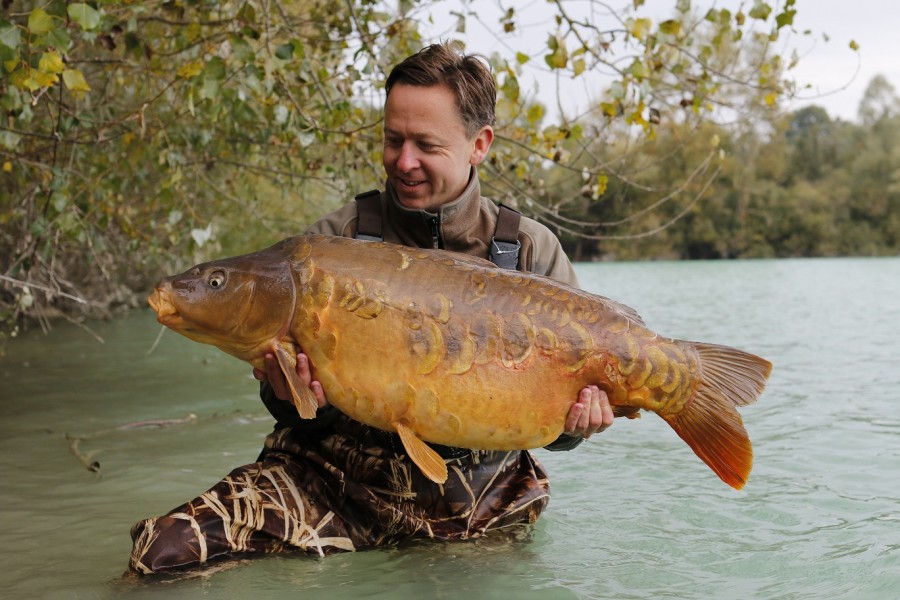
x=634, y=513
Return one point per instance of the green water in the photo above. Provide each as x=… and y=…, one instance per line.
x=634, y=513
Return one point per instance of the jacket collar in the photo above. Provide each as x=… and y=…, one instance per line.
x=455, y=219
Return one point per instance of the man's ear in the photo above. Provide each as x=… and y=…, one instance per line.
x=482, y=144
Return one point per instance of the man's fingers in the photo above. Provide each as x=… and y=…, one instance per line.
x=607, y=416
x=303, y=369
x=577, y=418
x=276, y=378
x=319, y=393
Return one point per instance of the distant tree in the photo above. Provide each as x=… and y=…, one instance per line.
x=811, y=140
x=879, y=101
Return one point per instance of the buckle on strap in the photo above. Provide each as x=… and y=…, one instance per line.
x=504, y=254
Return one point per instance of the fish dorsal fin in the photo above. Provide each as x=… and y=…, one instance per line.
x=429, y=462
x=304, y=399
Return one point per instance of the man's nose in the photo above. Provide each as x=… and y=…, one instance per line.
x=409, y=157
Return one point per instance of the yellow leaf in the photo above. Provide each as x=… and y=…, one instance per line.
x=18, y=78
x=191, y=69
x=608, y=109
x=7, y=167
x=578, y=66
x=639, y=28
x=51, y=62
x=44, y=79
x=75, y=81
x=30, y=84
x=770, y=98
x=39, y=21
x=535, y=113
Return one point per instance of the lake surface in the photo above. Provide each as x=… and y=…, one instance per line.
x=634, y=514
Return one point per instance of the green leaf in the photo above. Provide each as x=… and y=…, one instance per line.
x=285, y=51
x=639, y=70
x=39, y=21
x=760, y=11
x=84, y=14
x=75, y=81
x=9, y=34
x=670, y=27
x=785, y=18
x=215, y=69
x=59, y=38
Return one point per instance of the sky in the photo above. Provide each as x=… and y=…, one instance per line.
x=836, y=75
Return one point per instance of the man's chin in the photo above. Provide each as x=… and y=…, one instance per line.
x=414, y=202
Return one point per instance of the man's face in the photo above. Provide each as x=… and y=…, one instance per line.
x=427, y=154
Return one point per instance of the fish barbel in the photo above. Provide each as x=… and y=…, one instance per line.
x=447, y=348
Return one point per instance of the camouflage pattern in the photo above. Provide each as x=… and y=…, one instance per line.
x=348, y=488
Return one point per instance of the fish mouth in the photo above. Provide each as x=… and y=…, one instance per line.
x=160, y=302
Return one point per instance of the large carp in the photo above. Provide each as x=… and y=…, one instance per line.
x=451, y=349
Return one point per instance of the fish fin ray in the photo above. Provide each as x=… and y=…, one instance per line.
x=304, y=399
x=424, y=456
x=710, y=423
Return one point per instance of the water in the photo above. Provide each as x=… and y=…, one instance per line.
x=634, y=513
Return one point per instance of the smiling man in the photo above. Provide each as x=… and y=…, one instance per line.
x=333, y=484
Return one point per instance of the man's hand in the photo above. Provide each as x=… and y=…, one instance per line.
x=590, y=414
x=276, y=378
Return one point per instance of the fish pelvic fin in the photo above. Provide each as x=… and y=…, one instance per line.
x=710, y=423
x=424, y=456
x=304, y=399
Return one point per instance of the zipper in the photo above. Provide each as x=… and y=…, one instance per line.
x=435, y=224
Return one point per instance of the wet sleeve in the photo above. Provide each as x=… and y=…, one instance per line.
x=564, y=442
x=286, y=415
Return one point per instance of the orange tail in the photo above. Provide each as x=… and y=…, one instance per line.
x=709, y=422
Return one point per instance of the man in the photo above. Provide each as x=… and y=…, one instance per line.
x=332, y=484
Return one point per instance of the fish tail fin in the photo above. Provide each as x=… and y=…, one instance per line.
x=709, y=421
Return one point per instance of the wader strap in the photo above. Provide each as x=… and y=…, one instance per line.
x=368, y=207
x=505, y=244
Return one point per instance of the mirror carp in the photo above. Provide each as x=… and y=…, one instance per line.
x=447, y=348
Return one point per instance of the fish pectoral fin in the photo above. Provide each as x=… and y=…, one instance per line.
x=304, y=399
x=429, y=462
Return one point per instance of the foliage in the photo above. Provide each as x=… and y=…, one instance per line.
x=140, y=136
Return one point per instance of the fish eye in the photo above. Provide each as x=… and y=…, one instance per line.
x=216, y=279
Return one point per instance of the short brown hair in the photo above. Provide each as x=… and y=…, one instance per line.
x=468, y=76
